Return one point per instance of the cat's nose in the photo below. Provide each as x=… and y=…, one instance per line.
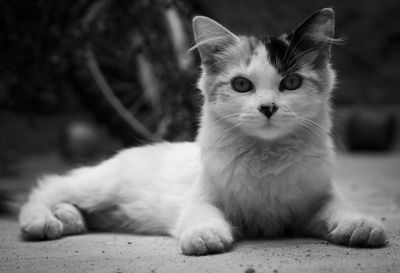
x=268, y=109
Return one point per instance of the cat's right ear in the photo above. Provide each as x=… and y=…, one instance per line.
x=313, y=38
x=211, y=38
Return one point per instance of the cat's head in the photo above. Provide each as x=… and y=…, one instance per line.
x=267, y=87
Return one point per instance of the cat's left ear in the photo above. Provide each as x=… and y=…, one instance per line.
x=314, y=36
x=211, y=38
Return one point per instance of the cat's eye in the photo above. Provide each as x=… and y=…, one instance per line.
x=241, y=84
x=291, y=82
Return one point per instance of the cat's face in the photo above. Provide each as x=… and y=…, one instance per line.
x=267, y=87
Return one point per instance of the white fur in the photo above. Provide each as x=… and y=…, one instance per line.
x=244, y=176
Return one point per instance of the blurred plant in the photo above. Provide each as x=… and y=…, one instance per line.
x=36, y=40
x=126, y=60
x=136, y=55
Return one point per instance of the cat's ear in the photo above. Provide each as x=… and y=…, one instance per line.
x=211, y=38
x=313, y=37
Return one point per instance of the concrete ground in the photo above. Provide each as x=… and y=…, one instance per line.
x=370, y=182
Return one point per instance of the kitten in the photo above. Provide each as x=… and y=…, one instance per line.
x=260, y=167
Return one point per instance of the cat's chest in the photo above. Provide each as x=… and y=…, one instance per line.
x=263, y=163
x=262, y=180
x=264, y=191
x=237, y=167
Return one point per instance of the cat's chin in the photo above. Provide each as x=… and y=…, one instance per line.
x=270, y=132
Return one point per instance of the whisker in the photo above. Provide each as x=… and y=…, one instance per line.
x=314, y=125
x=224, y=118
x=336, y=138
x=222, y=132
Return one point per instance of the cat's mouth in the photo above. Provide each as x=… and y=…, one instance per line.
x=271, y=128
x=270, y=124
x=267, y=128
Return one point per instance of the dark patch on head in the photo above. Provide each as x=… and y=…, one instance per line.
x=309, y=44
x=289, y=56
x=279, y=55
x=288, y=53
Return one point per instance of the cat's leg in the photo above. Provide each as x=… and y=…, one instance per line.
x=202, y=229
x=339, y=223
x=53, y=208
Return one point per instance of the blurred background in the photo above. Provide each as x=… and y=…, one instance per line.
x=80, y=80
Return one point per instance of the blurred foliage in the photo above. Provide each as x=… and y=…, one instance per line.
x=44, y=66
x=36, y=40
x=131, y=45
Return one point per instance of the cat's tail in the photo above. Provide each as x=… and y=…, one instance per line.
x=54, y=208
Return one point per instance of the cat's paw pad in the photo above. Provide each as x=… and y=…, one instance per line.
x=205, y=241
x=358, y=232
x=41, y=227
x=71, y=218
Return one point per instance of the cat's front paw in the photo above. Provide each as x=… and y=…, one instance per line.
x=358, y=232
x=41, y=223
x=40, y=226
x=203, y=241
x=70, y=217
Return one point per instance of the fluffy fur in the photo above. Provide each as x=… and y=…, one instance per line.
x=245, y=176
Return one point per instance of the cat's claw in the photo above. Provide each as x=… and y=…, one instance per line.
x=205, y=241
x=358, y=232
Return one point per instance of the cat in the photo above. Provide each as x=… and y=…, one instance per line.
x=261, y=165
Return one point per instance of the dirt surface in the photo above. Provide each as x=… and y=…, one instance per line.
x=371, y=182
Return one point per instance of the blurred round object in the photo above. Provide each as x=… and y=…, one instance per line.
x=370, y=130
x=81, y=142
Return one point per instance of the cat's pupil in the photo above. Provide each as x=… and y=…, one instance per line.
x=290, y=82
x=241, y=84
